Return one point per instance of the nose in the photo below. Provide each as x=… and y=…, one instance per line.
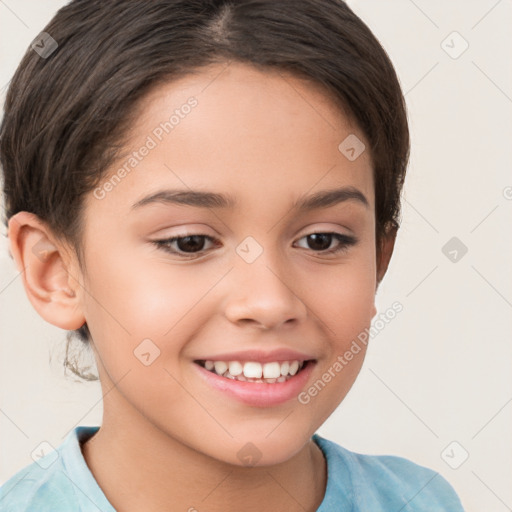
x=264, y=295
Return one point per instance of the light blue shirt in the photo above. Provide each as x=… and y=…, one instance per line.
x=62, y=482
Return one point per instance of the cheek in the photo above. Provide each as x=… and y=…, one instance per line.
x=136, y=298
x=135, y=294
x=343, y=298
x=344, y=306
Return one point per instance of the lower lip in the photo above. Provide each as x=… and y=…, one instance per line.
x=259, y=394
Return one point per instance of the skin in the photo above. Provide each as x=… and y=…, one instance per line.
x=265, y=138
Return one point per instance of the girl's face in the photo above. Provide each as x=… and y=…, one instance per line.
x=251, y=284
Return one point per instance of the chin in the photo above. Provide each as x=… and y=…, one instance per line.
x=260, y=450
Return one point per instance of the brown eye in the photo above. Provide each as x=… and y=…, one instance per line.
x=189, y=244
x=321, y=242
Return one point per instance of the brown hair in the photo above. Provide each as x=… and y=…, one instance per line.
x=66, y=115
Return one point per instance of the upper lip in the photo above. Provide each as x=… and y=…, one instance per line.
x=260, y=356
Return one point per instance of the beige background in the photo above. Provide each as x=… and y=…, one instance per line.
x=441, y=370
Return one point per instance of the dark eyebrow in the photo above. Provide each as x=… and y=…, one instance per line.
x=326, y=198
x=322, y=199
x=189, y=198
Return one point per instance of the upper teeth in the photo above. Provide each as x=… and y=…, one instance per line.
x=253, y=369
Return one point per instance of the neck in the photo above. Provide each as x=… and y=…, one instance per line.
x=141, y=468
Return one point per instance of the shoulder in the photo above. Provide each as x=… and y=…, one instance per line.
x=383, y=482
x=58, y=481
x=35, y=487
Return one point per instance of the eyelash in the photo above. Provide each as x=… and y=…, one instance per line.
x=346, y=242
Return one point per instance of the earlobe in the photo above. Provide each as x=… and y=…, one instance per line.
x=49, y=282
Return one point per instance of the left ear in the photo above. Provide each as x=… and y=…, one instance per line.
x=384, y=252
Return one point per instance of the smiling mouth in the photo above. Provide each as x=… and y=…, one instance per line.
x=253, y=371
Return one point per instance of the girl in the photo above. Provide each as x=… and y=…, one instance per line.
x=206, y=193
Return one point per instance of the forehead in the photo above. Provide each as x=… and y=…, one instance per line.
x=256, y=136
